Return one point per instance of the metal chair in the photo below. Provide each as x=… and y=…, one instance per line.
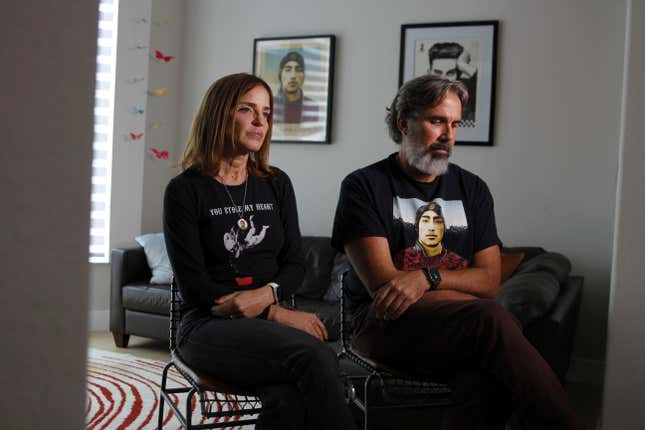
x=218, y=400
x=375, y=387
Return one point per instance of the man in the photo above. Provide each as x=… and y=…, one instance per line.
x=290, y=105
x=436, y=320
x=451, y=61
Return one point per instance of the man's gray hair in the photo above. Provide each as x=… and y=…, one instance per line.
x=423, y=92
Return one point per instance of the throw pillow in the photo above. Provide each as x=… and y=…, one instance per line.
x=154, y=247
x=556, y=264
x=532, y=291
x=510, y=263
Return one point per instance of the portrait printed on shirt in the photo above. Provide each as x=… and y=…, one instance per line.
x=428, y=230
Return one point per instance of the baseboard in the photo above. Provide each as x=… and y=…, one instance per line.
x=99, y=320
x=587, y=371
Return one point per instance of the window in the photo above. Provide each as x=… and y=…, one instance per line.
x=102, y=144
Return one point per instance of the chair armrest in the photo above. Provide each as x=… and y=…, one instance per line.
x=128, y=265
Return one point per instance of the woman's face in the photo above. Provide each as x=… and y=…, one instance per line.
x=252, y=118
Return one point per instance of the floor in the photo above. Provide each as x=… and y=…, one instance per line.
x=586, y=398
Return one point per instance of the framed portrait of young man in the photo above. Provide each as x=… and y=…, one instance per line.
x=300, y=72
x=460, y=51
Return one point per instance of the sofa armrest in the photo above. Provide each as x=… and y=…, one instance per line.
x=128, y=265
x=553, y=335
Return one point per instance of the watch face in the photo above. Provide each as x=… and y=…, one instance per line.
x=436, y=277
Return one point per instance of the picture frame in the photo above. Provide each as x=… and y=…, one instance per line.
x=300, y=72
x=464, y=51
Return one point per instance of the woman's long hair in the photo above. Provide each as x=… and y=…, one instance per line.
x=213, y=134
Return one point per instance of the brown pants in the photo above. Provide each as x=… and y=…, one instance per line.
x=478, y=348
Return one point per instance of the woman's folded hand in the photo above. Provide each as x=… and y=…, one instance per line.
x=243, y=304
x=304, y=321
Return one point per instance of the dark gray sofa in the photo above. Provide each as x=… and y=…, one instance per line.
x=140, y=308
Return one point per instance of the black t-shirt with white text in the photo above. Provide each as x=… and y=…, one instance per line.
x=212, y=255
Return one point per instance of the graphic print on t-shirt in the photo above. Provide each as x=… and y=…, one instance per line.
x=237, y=240
x=430, y=222
x=239, y=227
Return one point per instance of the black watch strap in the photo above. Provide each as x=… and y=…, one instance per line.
x=433, y=276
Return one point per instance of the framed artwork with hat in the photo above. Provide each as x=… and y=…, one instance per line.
x=459, y=51
x=300, y=71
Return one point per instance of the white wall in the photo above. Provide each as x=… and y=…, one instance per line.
x=553, y=168
x=48, y=55
x=625, y=377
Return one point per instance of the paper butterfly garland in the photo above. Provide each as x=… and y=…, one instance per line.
x=164, y=22
x=160, y=57
x=160, y=155
x=135, y=80
x=137, y=110
x=159, y=91
x=136, y=136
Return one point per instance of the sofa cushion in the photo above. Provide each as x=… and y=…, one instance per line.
x=533, y=289
x=319, y=260
x=147, y=298
x=341, y=265
x=328, y=313
x=154, y=246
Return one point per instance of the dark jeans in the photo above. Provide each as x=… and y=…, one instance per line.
x=297, y=375
x=478, y=348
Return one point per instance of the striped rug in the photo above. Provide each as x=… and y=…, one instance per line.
x=123, y=393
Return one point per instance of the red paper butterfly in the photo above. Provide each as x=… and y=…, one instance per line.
x=161, y=155
x=135, y=136
x=159, y=56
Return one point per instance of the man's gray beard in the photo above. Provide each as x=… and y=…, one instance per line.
x=421, y=159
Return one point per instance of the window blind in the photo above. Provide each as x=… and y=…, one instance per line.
x=102, y=143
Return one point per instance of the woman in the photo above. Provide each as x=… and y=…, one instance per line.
x=232, y=234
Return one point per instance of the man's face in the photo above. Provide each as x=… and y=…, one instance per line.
x=292, y=77
x=445, y=68
x=431, y=229
x=429, y=136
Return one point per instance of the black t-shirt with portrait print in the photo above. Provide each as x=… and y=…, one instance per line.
x=212, y=255
x=380, y=200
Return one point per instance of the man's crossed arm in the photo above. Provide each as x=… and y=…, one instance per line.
x=394, y=291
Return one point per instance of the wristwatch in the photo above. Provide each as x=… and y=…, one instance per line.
x=275, y=287
x=433, y=277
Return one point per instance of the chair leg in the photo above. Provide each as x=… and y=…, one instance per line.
x=189, y=410
x=121, y=339
x=366, y=401
x=164, y=377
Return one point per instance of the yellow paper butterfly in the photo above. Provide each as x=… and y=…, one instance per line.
x=159, y=91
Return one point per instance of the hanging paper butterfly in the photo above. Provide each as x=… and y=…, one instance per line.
x=161, y=155
x=159, y=91
x=137, y=110
x=135, y=80
x=159, y=56
x=136, y=136
x=141, y=21
x=154, y=124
